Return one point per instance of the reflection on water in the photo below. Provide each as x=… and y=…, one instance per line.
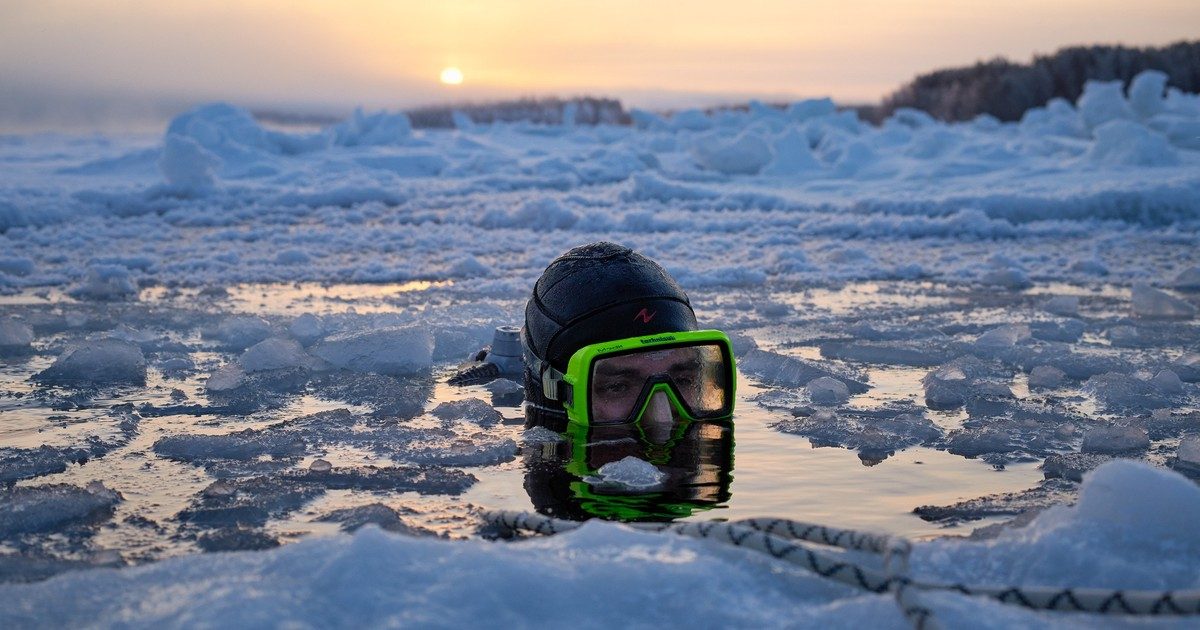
x=691, y=474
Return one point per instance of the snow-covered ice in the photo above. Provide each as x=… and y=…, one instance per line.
x=278, y=309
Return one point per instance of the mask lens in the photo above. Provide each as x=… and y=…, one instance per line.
x=697, y=372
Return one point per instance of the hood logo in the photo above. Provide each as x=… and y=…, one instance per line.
x=644, y=316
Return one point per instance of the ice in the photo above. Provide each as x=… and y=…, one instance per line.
x=236, y=539
x=1002, y=337
x=1046, y=377
x=1188, y=279
x=1065, y=330
x=471, y=410
x=1123, y=392
x=784, y=371
x=240, y=332
x=251, y=503
x=874, y=433
x=1152, y=303
x=248, y=444
x=1187, y=458
x=746, y=154
x=1102, y=102
x=387, y=396
x=274, y=354
x=1115, y=439
x=792, y=155
x=1073, y=466
x=392, y=350
x=377, y=514
x=1064, y=305
x=1187, y=367
x=1049, y=493
x=226, y=378
x=17, y=463
x=1168, y=382
x=187, y=167
x=15, y=337
x=1125, y=143
x=320, y=466
x=827, y=391
x=102, y=362
x=32, y=509
x=1000, y=431
x=1147, y=92
x=951, y=385
x=307, y=329
x=1012, y=279
x=106, y=283
x=628, y=474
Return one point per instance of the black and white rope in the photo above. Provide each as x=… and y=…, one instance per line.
x=776, y=537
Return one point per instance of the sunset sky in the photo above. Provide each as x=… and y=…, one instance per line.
x=383, y=53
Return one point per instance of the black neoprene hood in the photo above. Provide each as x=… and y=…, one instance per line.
x=601, y=292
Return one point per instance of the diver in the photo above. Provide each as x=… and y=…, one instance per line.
x=614, y=360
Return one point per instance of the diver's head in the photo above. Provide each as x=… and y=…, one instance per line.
x=611, y=339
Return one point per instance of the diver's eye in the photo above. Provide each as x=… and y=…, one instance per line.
x=613, y=388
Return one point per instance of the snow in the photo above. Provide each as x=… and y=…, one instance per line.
x=1133, y=527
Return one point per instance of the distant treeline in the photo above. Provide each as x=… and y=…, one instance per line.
x=1007, y=90
x=587, y=111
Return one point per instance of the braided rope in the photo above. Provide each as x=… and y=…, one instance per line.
x=775, y=537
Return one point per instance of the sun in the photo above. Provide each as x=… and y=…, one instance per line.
x=452, y=76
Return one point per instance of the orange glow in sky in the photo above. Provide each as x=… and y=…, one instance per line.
x=392, y=53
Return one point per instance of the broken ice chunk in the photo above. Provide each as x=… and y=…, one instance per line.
x=226, y=378
x=29, y=509
x=307, y=329
x=773, y=368
x=102, y=362
x=376, y=514
x=389, y=350
x=241, y=332
x=629, y=473
x=1046, y=377
x=827, y=391
x=1119, y=391
x=1168, y=382
x=468, y=410
x=1188, y=279
x=273, y=354
x=1187, y=367
x=320, y=466
x=15, y=337
x=1065, y=305
x=1116, y=439
x=1002, y=337
x=1151, y=303
x=1013, y=279
x=1187, y=458
x=105, y=283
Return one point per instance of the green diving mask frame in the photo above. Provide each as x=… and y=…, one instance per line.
x=687, y=376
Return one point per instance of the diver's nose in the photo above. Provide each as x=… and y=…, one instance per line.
x=659, y=419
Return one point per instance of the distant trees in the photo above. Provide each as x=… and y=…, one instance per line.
x=587, y=111
x=1006, y=90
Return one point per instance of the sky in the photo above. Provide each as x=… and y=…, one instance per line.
x=124, y=55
